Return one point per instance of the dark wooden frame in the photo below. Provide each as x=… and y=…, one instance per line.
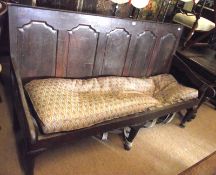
x=42, y=45
x=204, y=71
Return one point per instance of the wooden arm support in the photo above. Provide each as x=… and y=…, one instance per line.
x=202, y=86
x=23, y=111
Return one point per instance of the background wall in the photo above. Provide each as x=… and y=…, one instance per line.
x=107, y=7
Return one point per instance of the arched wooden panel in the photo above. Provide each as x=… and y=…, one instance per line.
x=68, y=44
x=142, y=53
x=37, y=43
x=82, y=49
x=166, y=47
x=116, y=51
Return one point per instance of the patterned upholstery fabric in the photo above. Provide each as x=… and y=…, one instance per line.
x=168, y=91
x=69, y=104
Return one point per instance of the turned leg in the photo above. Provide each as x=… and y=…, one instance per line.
x=27, y=162
x=15, y=122
x=129, y=140
x=103, y=136
x=28, y=166
x=190, y=114
x=26, y=158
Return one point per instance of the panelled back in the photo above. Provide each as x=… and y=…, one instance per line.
x=48, y=43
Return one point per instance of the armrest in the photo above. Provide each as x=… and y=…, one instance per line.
x=198, y=83
x=29, y=127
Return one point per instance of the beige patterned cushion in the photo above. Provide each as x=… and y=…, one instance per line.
x=69, y=104
x=168, y=91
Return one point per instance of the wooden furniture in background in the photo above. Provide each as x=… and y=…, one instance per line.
x=203, y=63
x=4, y=36
x=190, y=16
x=51, y=43
x=3, y=10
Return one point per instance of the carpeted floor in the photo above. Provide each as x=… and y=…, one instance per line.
x=206, y=166
x=162, y=150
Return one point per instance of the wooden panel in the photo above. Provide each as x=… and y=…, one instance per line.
x=164, y=55
x=37, y=49
x=142, y=53
x=89, y=45
x=62, y=54
x=82, y=49
x=116, y=52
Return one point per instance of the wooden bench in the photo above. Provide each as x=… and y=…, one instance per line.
x=48, y=43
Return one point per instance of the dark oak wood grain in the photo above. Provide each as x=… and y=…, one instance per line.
x=84, y=45
x=166, y=45
x=142, y=54
x=37, y=43
x=115, y=52
x=62, y=54
x=51, y=43
x=81, y=51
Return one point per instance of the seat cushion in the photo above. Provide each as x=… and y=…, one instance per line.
x=70, y=104
x=188, y=21
x=168, y=91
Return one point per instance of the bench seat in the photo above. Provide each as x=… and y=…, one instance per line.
x=70, y=104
